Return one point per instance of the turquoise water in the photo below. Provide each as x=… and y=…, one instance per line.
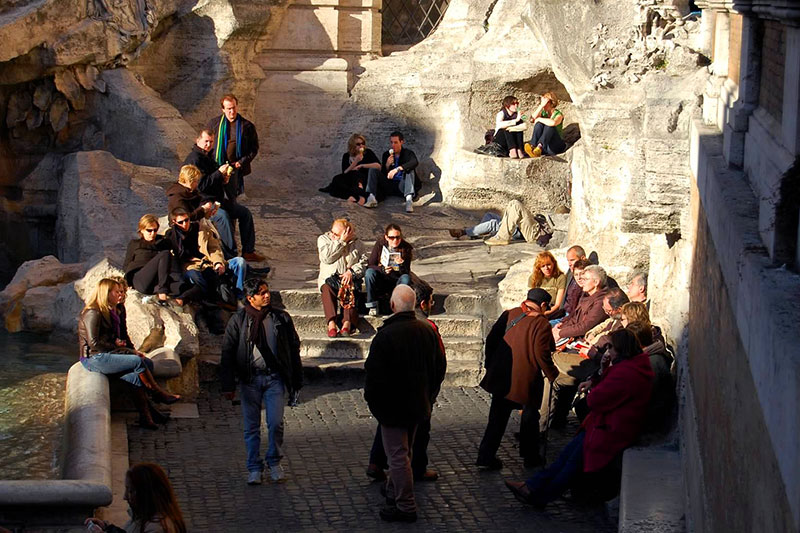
x=33, y=377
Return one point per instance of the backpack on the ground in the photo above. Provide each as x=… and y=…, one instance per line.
x=492, y=149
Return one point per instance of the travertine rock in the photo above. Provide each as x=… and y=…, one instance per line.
x=100, y=202
x=68, y=86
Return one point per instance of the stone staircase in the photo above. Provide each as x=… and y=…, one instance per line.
x=460, y=318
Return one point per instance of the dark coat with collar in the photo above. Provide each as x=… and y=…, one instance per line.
x=404, y=371
x=212, y=185
x=587, y=315
x=140, y=252
x=249, y=146
x=180, y=196
x=237, y=351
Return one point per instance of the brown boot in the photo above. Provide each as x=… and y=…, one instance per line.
x=140, y=400
x=457, y=233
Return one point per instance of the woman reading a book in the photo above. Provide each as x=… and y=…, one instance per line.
x=389, y=265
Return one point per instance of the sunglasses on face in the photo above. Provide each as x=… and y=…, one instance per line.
x=359, y=144
x=393, y=237
x=182, y=221
x=151, y=230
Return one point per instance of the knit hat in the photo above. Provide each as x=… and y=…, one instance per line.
x=539, y=296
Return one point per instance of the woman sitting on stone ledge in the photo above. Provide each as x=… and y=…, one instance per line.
x=508, y=128
x=547, y=129
x=149, y=268
x=549, y=277
x=105, y=347
x=357, y=162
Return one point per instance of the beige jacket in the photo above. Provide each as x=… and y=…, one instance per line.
x=209, y=245
x=335, y=257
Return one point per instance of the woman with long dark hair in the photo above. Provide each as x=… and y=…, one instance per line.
x=508, y=127
x=357, y=162
x=105, y=347
x=152, y=502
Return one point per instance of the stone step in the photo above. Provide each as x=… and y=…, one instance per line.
x=459, y=373
x=651, y=495
x=357, y=348
x=313, y=322
x=467, y=303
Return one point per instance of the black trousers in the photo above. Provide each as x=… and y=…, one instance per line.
x=419, y=449
x=509, y=139
x=499, y=412
x=159, y=277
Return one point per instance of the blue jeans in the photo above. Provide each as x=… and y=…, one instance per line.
x=548, y=137
x=224, y=221
x=379, y=283
x=549, y=484
x=266, y=390
x=127, y=366
x=207, y=280
x=489, y=225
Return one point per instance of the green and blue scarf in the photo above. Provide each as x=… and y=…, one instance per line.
x=220, y=154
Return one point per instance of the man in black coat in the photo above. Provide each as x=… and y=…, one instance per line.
x=217, y=184
x=236, y=140
x=397, y=175
x=262, y=349
x=404, y=372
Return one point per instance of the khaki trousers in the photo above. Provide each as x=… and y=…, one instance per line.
x=400, y=485
x=516, y=216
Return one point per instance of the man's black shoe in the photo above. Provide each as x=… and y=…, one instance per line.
x=533, y=462
x=393, y=514
x=494, y=464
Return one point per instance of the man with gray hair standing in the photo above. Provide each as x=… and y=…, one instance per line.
x=404, y=372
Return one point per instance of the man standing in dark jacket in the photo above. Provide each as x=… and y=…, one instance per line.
x=236, y=140
x=404, y=371
x=217, y=184
x=519, y=348
x=261, y=348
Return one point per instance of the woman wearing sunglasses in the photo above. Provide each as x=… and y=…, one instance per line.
x=357, y=162
x=389, y=265
x=148, y=265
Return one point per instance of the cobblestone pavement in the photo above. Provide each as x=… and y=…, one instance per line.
x=326, y=449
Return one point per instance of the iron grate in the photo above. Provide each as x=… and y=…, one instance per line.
x=408, y=22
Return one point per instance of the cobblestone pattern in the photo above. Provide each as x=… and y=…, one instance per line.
x=326, y=451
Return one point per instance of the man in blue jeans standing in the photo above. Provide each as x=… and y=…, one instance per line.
x=261, y=349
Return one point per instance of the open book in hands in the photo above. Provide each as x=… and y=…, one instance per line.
x=390, y=259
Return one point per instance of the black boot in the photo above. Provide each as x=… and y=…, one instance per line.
x=158, y=417
x=142, y=405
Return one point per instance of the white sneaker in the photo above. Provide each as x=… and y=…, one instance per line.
x=254, y=478
x=276, y=474
x=373, y=311
x=409, y=206
x=371, y=201
x=150, y=299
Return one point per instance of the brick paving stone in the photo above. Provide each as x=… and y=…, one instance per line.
x=326, y=448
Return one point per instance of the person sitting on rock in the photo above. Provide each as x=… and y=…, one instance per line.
x=547, y=128
x=217, y=185
x=488, y=227
x=149, y=266
x=663, y=397
x=549, y=277
x=508, y=128
x=637, y=289
x=516, y=218
x=104, y=346
x=397, y=175
x=341, y=270
x=197, y=248
x=357, y=162
x=389, y=265
x=590, y=465
x=589, y=311
x=184, y=193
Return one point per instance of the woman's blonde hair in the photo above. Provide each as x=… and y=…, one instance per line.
x=536, y=277
x=99, y=298
x=145, y=221
x=188, y=175
x=636, y=312
x=552, y=97
x=351, y=143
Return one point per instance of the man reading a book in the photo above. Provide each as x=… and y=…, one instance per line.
x=389, y=265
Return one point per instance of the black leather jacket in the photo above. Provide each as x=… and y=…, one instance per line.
x=97, y=335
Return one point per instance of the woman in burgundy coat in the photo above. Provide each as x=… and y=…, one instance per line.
x=617, y=401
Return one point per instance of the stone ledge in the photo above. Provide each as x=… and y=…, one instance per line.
x=651, y=496
x=87, y=461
